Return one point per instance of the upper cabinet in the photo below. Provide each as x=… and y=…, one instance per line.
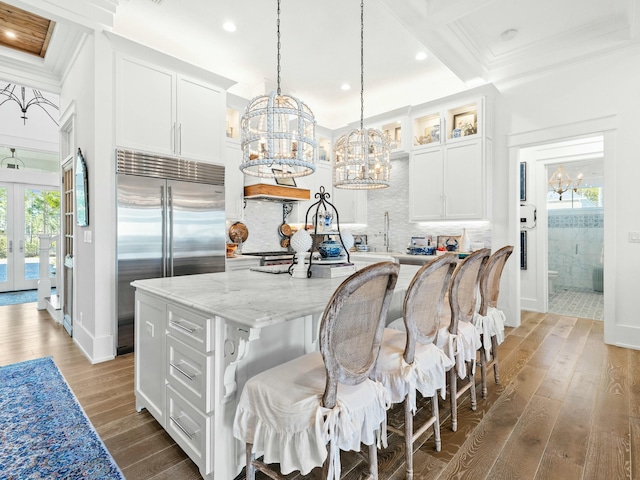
x=450, y=160
x=165, y=112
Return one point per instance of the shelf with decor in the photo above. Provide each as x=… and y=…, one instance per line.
x=232, y=124
x=427, y=129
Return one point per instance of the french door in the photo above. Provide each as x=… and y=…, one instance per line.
x=26, y=211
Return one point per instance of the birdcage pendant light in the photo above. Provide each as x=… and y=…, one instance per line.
x=363, y=156
x=278, y=134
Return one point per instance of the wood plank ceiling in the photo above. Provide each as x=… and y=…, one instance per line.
x=24, y=31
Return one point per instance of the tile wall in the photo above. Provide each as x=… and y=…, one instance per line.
x=575, y=245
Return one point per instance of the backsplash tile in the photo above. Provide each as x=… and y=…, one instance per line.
x=264, y=217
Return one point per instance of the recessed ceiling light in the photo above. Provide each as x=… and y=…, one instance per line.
x=229, y=26
x=509, y=34
x=10, y=34
x=345, y=86
x=421, y=55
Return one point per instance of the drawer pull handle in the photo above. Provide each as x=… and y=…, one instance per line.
x=182, y=327
x=190, y=377
x=184, y=430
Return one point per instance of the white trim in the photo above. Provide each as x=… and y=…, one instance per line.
x=96, y=349
x=607, y=127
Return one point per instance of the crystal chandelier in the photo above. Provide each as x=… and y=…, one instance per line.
x=362, y=157
x=278, y=134
x=38, y=99
x=560, y=182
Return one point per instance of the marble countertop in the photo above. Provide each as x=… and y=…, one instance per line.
x=403, y=258
x=257, y=299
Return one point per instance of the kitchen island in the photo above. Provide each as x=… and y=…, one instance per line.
x=200, y=337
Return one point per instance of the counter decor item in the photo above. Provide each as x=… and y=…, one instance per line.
x=327, y=240
x=301, y=242
x=231, y=249
x=465, y=242
x=238, y=233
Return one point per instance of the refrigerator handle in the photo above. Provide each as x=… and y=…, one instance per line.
x=164, y=232
x=170, y=210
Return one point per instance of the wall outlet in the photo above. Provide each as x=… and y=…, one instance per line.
x=149, y=328
x=634, y=237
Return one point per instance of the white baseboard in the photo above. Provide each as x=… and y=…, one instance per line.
x=96, y=349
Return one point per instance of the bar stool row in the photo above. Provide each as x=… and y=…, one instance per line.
x=301, y=414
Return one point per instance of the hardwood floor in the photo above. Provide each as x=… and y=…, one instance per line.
x=567, y=407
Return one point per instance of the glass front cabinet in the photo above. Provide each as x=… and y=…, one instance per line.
x=449, y=160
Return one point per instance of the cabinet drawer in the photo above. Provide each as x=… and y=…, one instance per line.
x=191, y=328
x=192, y=430
x=190, y=373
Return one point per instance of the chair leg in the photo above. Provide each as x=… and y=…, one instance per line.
x=472, y=386
x=453, y=387
x=373, y=461
x=494, y=354
x=408, y=439
x=483, y=371
x=436, y=422
x=251, y=469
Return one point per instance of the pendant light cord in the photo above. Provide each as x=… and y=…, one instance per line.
x=278, y=27
x=362, y=65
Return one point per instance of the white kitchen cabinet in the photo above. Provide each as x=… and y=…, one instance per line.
x=447, y=183
x=150, y=324
x=449, y=161
x=161, y=111
x=426, y=169
x=351, y=205
x=233, y=182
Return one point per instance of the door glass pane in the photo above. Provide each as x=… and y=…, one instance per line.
x=42, y=216
x=3, y=234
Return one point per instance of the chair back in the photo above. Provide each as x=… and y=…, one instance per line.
x=463, y=289
x=352, y=326
x=424, y=300
x=490, y=279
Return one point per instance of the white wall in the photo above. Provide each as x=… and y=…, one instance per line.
x=595, y=89
x=93, y=326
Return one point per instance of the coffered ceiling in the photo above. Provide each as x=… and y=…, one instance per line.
x=467, y=41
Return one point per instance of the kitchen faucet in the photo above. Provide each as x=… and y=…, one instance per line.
x=387, y=242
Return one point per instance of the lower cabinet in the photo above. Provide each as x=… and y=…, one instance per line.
x=190, y=367
x=174, y=374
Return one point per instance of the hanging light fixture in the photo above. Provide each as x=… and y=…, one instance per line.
x=12, y=161
x=362, y=157
x=38, y=99
x=561, y=182
x=278, y=134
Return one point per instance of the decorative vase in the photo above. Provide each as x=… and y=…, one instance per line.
x=465, y=242
x=329, y=249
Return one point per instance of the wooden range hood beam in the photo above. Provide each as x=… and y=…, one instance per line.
x=276, y=192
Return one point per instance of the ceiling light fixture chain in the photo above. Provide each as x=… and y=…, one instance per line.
x=278, y=133
x=362, y=65
x=278, y=29
x=362, y=157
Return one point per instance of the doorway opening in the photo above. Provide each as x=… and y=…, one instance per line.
x=575, y=238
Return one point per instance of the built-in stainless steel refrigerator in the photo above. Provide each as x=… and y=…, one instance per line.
x=171, y=222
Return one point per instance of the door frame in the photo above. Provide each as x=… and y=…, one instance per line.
x=607, y=126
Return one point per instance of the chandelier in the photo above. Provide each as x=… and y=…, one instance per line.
x=561, y=182
x=37, y=99
x=362, y=157
x=12, y=161
x=278, y=134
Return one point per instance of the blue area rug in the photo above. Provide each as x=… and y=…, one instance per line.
x=25, y=296
x=44, y=433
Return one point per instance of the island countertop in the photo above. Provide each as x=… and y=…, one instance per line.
x=258, y=299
